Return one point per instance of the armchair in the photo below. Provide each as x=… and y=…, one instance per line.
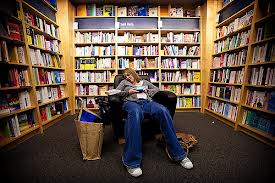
x=149, y=126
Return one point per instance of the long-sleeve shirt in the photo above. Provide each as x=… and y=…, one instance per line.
x=125, y=86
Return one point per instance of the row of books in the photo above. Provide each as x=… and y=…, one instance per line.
x=265, y=31
x=235, y=25
x=264, y=76
x=14, y=101
x=95, y=51
x=186, y=89
x=264, y=53
x=88, y=102
x=43, y=76
x=9, y=53
x=138, y=63
x=181, y=12
x=230, y=93
x=95, y=63
x=241, y=39
x=229, y=76
x=182, y=37
x=141, y=10
x=230, y=59
x=261, y=99
x=173, y=50
x=91, y=89
x=41, y=24
x=259, y=121
x=14, y=77
x=95, y=37
x=188, y=102
x=88, y=76
x=224, y=108
x=44, y=59
x=153, y=75
x=53, y=109
x=15, y=125
x=41, y=42
x=128, y=37
x=137, y=50
x=181, y=76
x=10, y=29
x=95, y=10
x=47, y=94
x=175, y=63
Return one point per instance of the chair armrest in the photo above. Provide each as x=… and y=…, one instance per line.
x=168, y=99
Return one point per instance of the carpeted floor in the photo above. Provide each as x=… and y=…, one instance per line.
x=222, y=155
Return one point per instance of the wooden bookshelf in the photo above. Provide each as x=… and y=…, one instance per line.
x=251, y=89
x=33, y=110
x=139, y=27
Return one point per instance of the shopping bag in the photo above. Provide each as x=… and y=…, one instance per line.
x=90, y=134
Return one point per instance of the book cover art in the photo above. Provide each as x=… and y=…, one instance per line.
x=108, y=10
x=99, y=11
x=132, y=11
x=153, y=12
x=122, y=11
x=142, y=10
x=81, y=10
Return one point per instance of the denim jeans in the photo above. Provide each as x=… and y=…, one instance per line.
x=132, y=154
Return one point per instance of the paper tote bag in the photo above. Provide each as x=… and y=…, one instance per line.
x=90, y=137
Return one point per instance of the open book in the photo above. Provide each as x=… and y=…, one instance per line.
x=112, y=92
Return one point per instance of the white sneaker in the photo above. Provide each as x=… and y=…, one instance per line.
x=186, y=163
x=135, y=172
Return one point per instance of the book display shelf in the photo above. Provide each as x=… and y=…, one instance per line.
x=33, y=90
x=242, y=80
x=150, y=39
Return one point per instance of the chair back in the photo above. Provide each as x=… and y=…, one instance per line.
x=120, y=77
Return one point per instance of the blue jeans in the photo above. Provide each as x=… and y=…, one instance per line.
x=132, y=154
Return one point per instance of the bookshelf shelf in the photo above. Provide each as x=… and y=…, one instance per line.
x=255, y=130
x=35, y=11
x=259, y=109
x=46, y=67
x=219, y=83
x=9, y=140
x=217, y=98
x=52, y=101
x=49, y=5
x=36, y=30
x=226, y=6
x=54, y=84
x=94, y=30
x=227, y=67
x=231, y=50
x=265, y=18
x=12, y=64
x=15, y=112
x=87, y=44
x=264, y=41
x=55, y=117
x=239, y=13
x=93, y=17
x=16, y=19
x=262, y=63
x=234, y=33
x=13, y=41
x=260, y=86
x=15, y=88
x=220, y=115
